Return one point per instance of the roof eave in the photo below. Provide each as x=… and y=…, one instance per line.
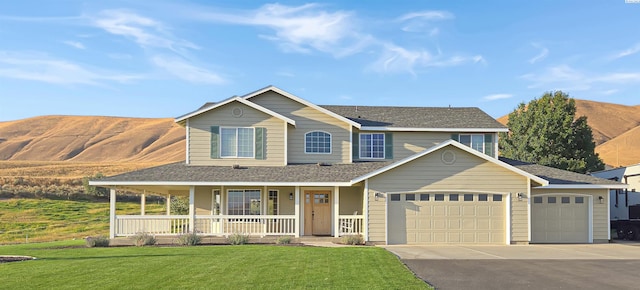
x=183, y=118
x=410, y=129
x=214, y=183
x=583, y=186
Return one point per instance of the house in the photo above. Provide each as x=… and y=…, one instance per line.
x=622, y=199
x=272, y=163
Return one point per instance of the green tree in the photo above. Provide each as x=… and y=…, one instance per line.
x=546, y=132
x=93, y=190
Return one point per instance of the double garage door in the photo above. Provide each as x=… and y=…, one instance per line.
x=560, y=219
x=446, y=218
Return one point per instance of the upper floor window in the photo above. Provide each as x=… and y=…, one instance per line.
x=475, y=141
x=317, y=142
x=237, y=142
x=372, y=145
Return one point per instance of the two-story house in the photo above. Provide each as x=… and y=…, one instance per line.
x=271, y=163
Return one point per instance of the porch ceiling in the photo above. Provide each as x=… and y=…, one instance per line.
x=157, y=189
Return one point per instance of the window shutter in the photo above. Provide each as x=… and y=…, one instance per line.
x=215, y=137
x=355, y=146
x=455, y=137
x=488, y=144
x=260, y=142
x=388, y=145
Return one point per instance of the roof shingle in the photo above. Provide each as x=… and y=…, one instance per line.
x=558, y=176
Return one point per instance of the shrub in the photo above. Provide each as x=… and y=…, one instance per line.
x=144, y=239
x=189, y=239
x=98, y=241
x=238, y=239
x=352, y=240
x=284, y=240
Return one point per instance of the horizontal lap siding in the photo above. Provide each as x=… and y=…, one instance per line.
x=600, y=218
x=468, y=173
x=406, y=144
x=203, y=200
x=308, y=119
x=200, y=135
x=351, y=200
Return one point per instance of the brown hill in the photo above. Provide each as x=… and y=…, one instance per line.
x=92, y=139
x=609, y=122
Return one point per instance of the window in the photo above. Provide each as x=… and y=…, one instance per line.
x=372, y=146
x=395, y=197
x=272, y=202
x=475, y=141
x=483, y=197
x=579, y=199
x=453, y=197
x=317, y=142
x=410, y=196
x=565, y=199
x=497, y=197
x=243, y=201
x=537, y=199
x=468, y=197
x=439, y=197
x=424, y=197
x=237, y=142
x=215, y=202
x=551, y=199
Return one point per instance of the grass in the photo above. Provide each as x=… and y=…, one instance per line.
x=40, y=220
x=204, y=267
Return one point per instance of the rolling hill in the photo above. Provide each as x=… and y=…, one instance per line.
x=616, y=130
x=92, y=139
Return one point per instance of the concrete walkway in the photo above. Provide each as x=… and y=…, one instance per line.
x=519, y=252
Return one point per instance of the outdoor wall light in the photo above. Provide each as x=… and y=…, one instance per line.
x=601, y=199
x=290, y=195
x=521, y=196
x=378, y=195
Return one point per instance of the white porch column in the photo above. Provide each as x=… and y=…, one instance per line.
x=143, y=202
x=365, y=211
x=192, y=209
x=297, y=212
x=168, y=204
x=112, y=213
x=336, y=211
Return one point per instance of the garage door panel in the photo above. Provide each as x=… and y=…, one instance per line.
x=449, y=220
x=562, y=221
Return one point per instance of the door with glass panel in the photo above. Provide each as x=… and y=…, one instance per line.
x=317, y=213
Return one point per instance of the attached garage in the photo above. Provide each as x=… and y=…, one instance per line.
x=447, y=218
x=561, y=218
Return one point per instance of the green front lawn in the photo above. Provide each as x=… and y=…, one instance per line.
x=60, y=265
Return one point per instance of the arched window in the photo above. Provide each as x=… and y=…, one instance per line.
x=317, y=142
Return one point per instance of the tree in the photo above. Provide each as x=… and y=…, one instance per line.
x=93, y=190
x=546, y=132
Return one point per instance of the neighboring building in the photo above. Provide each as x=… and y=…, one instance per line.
x=271, y=163
x=625, y=203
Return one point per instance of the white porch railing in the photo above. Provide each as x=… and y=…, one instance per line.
x=217, y=225
x=350, y=224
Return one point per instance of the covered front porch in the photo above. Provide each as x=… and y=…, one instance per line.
x=260, y=211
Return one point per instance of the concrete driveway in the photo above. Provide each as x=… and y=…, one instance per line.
x=600, y=266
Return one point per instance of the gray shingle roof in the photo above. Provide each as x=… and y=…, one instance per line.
x=181, y=172
x=557, y=176
x=417, y=117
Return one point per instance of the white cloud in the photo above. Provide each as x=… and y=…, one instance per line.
x=186, y=71
x=42, y=68
x=423, y=21
x=564, y=77
x=399, y=59
x=75, y=44
x=497, y=97
x=431, y=15
x=627, y=52
x=541, y=55
x=146, y=32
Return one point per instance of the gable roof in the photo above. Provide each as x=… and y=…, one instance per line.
x=459, y=146
x=559, y=178
x=419, y=118
x=210, y=106
x=302, y=101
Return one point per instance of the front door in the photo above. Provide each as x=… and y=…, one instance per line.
x=317, y=212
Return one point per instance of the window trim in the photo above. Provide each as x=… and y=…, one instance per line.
x=244, y=190
x=471, y=141
x=253, y=151
x=383, y=146
x=276, y=207
x=330, y=142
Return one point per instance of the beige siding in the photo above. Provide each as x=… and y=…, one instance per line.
x=203, y=200
x=467, y=173
x=600, y=218
x=309, y=119
x=408, y=143
x=351, y=200
x=286, y=206
x=200, y=135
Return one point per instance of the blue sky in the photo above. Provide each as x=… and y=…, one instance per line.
x=166, y=58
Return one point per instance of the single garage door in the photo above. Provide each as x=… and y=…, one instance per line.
x=560, y=219
x=446, y=218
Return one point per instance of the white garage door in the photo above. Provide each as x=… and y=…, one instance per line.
x=560, y=219
x=446, y=218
